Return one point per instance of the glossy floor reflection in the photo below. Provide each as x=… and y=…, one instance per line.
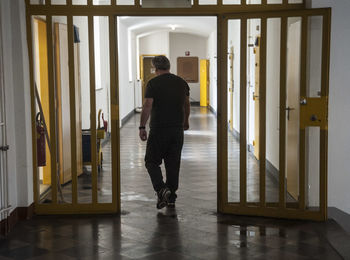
x=191, y=231
x=198, y=161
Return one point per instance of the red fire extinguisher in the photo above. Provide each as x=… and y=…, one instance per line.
x=40, y=141
x=105, y=124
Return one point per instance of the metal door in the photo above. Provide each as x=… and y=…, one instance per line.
x=4, y=196
x=55, y=55
x=234, y=180
x=289, y=179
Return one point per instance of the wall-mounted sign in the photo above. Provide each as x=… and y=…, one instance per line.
x=187, y=68
x=166, y=4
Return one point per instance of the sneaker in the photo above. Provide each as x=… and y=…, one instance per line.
x=171, y=202
x=163, y=197
x=171, y=205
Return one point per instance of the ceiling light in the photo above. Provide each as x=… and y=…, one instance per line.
x=172, y=26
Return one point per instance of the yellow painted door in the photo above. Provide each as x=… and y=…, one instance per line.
x=63, y=105
x=78, y=112
x=204, y=83
x=293, y=84
x=256, y=100
x=62, y=99
x=208, y=84
x=43, y=86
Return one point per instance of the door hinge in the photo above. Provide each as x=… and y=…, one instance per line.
x=4, y=148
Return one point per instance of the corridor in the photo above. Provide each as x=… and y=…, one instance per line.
x=191, y=231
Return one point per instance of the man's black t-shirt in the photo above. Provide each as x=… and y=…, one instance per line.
x=168, y=92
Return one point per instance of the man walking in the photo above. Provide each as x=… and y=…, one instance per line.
x=167, y=101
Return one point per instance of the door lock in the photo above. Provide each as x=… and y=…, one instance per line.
x=313, y=118
x=4, y=148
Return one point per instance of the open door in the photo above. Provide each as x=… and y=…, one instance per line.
x=231, y=84
x=288, y=178
x=147, y=71
x=292, y=109
x=256, y=96
x=62, y=100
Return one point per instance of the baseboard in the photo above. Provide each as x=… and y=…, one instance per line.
x=195, y=103
x=18, y=214
x=127, y=117
x=272, y=170
x=338, y=231
x=251, y=148
x=341, y=217
x=235, y=134
x=211, y=109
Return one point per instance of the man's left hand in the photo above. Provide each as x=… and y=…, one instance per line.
x=143, y=134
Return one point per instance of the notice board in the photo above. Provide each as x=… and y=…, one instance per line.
x=187, y=68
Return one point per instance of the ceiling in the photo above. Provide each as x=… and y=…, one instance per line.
x=141, y=25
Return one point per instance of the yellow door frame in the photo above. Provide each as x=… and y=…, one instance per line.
x=223, y=13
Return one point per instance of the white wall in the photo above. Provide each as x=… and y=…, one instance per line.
x=103, y=94
x=272, y=90
x=234, y=39
x=126, y=87
x=197, y=45
x=102, y=71
x=82, y=24
x=339, y=105
x=253, y=32
x=155, y=43
x=17, y=88
x=212, y=57
x=314, y=86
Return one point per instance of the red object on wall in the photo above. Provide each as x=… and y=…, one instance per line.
x=187, y=53
x=40, y=142
x=105, y=124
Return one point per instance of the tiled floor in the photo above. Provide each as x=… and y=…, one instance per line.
x=191, y=231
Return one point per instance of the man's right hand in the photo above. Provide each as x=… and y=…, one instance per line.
x=143, y=134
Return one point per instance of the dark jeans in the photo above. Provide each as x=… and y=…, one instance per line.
x=164, y=144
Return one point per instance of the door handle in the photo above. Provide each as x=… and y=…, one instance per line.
x=288, y=109
x=4, y=148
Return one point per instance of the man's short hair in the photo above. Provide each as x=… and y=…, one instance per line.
x=161, y=62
